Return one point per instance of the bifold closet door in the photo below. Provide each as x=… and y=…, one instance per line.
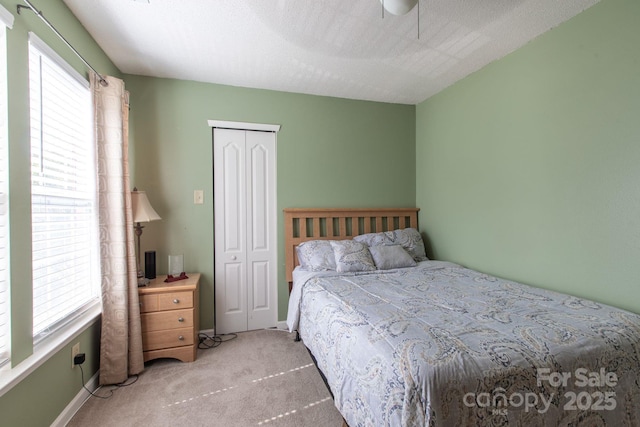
x=245, y=230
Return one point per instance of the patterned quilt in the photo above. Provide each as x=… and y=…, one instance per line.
x=442, y=345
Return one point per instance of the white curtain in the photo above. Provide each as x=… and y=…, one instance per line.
x=121, y=341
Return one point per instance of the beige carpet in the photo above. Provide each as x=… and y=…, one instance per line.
x=261, y=378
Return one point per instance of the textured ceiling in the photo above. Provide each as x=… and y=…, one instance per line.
x=336, y=48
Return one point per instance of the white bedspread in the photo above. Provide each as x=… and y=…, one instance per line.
x=439, y=344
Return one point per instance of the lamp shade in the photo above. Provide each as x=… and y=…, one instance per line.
x=142, y=210
x=399, y=7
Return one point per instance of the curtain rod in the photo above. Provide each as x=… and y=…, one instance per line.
x=39, y=14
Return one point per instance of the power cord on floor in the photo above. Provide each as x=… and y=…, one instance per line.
x=90, y=392
x=208, y=341
x=132, y=379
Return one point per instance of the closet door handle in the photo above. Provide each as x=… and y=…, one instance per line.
x=233, y=257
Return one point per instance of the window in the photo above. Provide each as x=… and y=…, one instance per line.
x=63, y=192
x=6, y=20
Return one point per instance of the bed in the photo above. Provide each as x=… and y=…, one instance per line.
x=435, y=344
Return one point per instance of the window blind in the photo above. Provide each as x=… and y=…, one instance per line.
x=6, y=20
x=63, y=192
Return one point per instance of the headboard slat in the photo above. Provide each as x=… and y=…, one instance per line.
x=343, y=226
x=350, y=222
x=316, y=227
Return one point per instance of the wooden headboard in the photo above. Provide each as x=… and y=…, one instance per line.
x=302, y=224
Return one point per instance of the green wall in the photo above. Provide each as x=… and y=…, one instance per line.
x=330, y=152
x=40, y=398
x=53, y=385
x=529, y=168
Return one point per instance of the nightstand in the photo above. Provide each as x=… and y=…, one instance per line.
x=170, y=319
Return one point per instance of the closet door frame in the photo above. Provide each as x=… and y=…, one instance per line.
x=248, y=292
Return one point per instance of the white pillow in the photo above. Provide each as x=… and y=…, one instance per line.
x=316, y=255
x=394, y=256
x=352, y=256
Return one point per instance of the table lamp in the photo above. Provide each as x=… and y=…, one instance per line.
x=142, y=212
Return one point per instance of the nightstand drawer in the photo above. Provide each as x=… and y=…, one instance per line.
x=175, y=300
x=148, y=303
x=172, y=319
x=164, y=339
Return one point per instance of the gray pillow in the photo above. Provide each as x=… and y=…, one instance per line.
x=394, y=256
x=352, y=256
x=411, y=240
x=408, y=238
x=316, y=255
x=376, y=239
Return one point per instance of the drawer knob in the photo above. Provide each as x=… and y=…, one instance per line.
x=180, y=319
x=176, y=301
x=181, y=338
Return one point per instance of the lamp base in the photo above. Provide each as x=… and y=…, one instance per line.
x=143, y=281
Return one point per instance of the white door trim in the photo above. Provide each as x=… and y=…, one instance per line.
x=253, y=304
x=226, y=124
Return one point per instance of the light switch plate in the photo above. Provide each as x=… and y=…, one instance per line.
x=198, y=197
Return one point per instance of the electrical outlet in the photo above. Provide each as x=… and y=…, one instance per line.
x=74, y=350
x=198, y=197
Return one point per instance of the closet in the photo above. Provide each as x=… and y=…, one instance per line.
x=245, y=222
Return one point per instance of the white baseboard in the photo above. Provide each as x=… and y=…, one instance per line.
x=77, y=402
x=282, y=325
